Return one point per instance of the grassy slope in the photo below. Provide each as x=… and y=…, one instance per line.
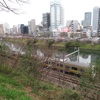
x=90, y=47
x=12, y=90
x=24, y=87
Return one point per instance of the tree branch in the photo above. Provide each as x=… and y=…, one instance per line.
x=5, y=7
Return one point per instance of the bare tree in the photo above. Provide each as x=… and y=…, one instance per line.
x=6, y=5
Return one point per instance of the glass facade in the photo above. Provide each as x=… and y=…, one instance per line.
x=95, y=19
x=55, y=13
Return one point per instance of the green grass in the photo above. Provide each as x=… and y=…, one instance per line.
x=90, y=47
x=8, y=80
x=10, y=89
x=12, y=94
x=14, y=88
x=13, y=84
x=17, y=40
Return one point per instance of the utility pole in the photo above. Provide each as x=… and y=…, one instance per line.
x=63, y=67
x=78, y=54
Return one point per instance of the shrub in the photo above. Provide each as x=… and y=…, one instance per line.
x=49, y=43
x=69, y=45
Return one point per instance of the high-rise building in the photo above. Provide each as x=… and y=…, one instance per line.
x=87, y=19
x=22, y=28
x=18, y=29
x=14, y=29
x=73, y=25
x=96, y=21
x=62, y=16
x=56, y=14
x=46, y=21
x=86, y=23
x=25, y=30
x=1, y=29
x=32, y=27
x=6, y=28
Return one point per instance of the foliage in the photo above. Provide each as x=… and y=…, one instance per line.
x=69, y=45
x=70, y=95
x=49, y=43
x=89, y=83
x=28, y=71
x=13, y=94
x=11, y=89
x=32, y=42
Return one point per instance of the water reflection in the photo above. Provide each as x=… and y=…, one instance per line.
x=86, y=59
x=15, y=47
x=81, y=58
x=39, y=53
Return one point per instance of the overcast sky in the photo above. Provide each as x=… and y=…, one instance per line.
x=73, y=9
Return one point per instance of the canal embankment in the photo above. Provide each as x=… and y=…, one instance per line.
x=58, y=44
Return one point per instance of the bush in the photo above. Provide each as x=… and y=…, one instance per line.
x=70, y=95
x=32, y=42
x=69, y=45
x=49, y=43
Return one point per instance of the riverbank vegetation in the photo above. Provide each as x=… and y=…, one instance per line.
x=82, y=45
x=21, y=78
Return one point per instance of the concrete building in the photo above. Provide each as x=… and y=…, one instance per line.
x=56, y=14
x=87, y=19
x=86, y=23
x=14, y=30
x=46, y=21
x=1, y=29
x=25, y=30
x=6, y=28
x=96, y=21
x=22, y=28
x=19, y=30
x=73, y=25
x=62, y=16
x=32, y=27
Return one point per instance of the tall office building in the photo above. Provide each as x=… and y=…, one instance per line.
x=1, y=29
x=46, y=21
x=87, y=19
x=62, y=16
x=86, y=23
x=23, y=29
x=96, y=21
x=14, y=30
x=6, y=28
x=56, y=14
x=32, y=27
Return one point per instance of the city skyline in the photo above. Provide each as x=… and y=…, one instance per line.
x=73, y=10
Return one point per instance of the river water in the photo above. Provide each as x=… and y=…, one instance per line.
x=81, y=57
